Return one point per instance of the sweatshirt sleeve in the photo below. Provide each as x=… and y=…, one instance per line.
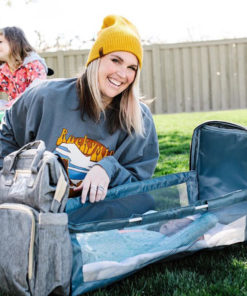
x=15, y=128
x=8, y=143
x=136, y=157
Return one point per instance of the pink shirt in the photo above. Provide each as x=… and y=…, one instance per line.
x=15, y=83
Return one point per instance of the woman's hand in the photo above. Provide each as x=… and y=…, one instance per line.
x=95, y=183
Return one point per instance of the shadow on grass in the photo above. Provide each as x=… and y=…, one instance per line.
x=174, y=153
x=218, y=272
x=174, y=143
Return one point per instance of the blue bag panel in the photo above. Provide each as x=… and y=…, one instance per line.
x=218, y=154
x=109, y=250
x=77, y=274
x=157, y=194
x=112, y=255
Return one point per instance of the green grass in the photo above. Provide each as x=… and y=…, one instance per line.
x=220, y=272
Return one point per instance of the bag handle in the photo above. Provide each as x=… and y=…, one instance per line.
x=39, y=145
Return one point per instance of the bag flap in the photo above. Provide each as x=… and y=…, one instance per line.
x=219, y=156
x=35, y=177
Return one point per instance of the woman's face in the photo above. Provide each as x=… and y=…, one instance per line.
x=117, y=70
x=4, y=49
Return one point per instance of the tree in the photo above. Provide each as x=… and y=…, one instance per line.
x=10, y=2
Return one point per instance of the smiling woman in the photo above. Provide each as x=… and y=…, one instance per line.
x=116, y=72
x=96, y=123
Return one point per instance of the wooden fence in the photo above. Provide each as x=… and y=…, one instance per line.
x=184, y=77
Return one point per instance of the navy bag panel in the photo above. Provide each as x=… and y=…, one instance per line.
x=219, y=155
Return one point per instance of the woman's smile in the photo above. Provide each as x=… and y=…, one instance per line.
x=114, y=82
x=116, y=72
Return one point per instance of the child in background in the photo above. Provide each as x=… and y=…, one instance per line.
x=20, y=65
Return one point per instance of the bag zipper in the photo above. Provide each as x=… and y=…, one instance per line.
x=26, y=210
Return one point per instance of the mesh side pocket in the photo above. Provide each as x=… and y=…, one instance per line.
x=54, y=255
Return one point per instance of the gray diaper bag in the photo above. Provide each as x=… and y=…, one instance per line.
x=35, y=245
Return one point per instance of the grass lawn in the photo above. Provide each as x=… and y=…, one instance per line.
x=206, y=273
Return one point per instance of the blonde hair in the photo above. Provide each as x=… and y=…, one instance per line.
x=126, y=108
x=130, y=108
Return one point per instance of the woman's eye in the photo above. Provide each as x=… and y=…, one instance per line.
x=133, y=68
x=115, y=60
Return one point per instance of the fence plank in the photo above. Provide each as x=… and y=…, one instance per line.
x=169, y=81
x=241, y=49
x=158, y=108
x=224, y=80
x=178, y=80
x=196, y=86
x=215, y=79
x=234, y=76
x=187, y=80
x=146, y=79
x=60, y=65
x=205, y=79
x=71, y=66
x=80, y=64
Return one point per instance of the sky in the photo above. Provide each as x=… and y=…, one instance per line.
x=158, y=21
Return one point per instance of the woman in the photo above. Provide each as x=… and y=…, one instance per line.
x=96, y=123
x=20, y=65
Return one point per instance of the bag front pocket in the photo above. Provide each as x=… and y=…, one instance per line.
x=17, y=228
x=54, y=255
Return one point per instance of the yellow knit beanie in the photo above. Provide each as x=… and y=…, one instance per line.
x=116, y=34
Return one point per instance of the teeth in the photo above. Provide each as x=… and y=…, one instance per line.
x=115, y=82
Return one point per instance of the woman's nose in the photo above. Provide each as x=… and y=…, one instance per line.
x=122, y=73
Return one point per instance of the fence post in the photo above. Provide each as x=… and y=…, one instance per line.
x=241, y=75
x=158, y=108
x=60, y=64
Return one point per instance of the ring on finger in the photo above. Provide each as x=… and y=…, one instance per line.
x=93, y=187
x=101, y=188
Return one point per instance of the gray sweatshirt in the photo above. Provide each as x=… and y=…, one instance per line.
x=49, y=112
